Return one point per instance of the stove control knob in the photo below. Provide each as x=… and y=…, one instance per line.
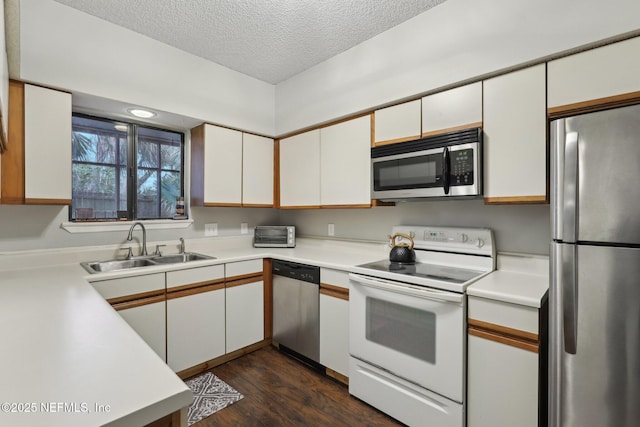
x=464, y=238
x=479, y=243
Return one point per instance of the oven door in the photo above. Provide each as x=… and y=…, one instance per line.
x=414, y=332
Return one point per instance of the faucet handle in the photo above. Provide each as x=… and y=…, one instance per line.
x=181, y=245
x=130, y=253
x=158, y=250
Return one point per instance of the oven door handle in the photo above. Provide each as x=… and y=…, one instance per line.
x=415, y=291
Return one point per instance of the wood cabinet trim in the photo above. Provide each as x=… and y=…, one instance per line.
x=592, y=105
x=268, y=297
x=222, y=205
x=337, y=376
x=257, y=205
x=397, y=140
x=194, y=291
x=56, y=202
x=138, y=302
x=141, y=295
x=239, y=281
x=355, y=206
x=301, y=207
x=13, y=168
x=502, y=334
x=334, y=291
x=523, y=200
x=452, y=129
x=214, y=282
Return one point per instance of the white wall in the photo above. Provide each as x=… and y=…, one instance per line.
x=65, y=48
x=38, y=227
x=455, y=41
x=524, y=229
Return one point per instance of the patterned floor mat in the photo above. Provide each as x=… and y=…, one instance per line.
x=210, y=395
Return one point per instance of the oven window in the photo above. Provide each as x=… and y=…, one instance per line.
x=405, y=329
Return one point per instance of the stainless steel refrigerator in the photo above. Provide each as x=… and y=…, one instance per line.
x=595, y=270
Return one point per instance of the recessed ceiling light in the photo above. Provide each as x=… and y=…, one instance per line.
x=139, y=112
x=122, y=128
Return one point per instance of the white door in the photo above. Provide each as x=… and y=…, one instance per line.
x=222, y=166
x=345, y=163
x=257, y=170
x=300, y=170
x=149, y=322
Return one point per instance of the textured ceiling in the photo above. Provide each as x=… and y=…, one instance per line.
x=270, y=40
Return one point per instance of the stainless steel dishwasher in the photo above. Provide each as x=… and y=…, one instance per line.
x=296, y=309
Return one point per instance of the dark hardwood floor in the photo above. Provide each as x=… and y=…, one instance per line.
x=280, y=391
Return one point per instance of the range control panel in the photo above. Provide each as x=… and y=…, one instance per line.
x=476, y=241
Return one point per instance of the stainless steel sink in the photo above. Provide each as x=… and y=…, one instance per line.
x=124, y=264
x=178, y=258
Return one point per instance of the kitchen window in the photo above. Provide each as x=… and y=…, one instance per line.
x=124, y=170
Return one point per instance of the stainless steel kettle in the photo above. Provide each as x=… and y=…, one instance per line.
x=402, y=252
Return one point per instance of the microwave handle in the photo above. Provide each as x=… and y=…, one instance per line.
x=446, y=170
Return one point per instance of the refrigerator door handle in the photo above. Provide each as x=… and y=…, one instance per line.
x=569, y=291
x=569, y=208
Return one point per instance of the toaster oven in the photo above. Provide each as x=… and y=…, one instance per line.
x=274, y=236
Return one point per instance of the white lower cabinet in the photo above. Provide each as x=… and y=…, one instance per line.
x=334, y=321
x=140, y=301
x=244, y=315
x=148, y=322
x=502, y=385
x=195, y=316
x=244, y=283
x=503, y=371
x=195, y=328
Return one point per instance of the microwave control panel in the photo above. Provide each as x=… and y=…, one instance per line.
x=462, y=167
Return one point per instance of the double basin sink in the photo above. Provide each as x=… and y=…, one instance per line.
x=124, y=264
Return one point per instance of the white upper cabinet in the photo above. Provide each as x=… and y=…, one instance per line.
x=47, y=146
x=257, y=170
x=300, y=170
x=223, y=165
x=590, y=76
x=453, y=109
x=515, y=137
x=345, y=163
x=397, y=123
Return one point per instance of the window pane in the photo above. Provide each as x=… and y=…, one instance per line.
x=170, y=191
x=95, y=141
x=170, y=157
x=95, y=194
x=148, y=194
x=147, y=154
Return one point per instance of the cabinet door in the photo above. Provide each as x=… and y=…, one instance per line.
x=334, y=333
x=451, y=110
x=149, y=322
x=300, y=170
x=222, y=166
x=257, y=170
x=195, y=327
x=397, y=123
x=47, y=146
x=345, y=163
x=244, y=315
x=502, y=385
x=593, y=77
x=515, y=137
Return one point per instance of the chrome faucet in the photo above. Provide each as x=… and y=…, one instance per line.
x=143, y=250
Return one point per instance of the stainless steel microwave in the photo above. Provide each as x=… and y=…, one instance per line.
x=447, y=165
x=274, y=236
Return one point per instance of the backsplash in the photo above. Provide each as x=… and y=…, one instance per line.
x=517, y=228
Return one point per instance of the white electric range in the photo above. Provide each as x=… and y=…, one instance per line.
x=407, y=325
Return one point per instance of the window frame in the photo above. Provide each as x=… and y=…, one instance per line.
x=132, y=168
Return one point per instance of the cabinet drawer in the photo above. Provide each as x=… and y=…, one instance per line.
x=504, y=314
x=334, y=277
x=115, y=288
x=195, y=275
x=243, y=268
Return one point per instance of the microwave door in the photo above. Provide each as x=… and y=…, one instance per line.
x=408, y=175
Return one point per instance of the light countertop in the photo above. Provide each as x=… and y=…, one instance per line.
x=69, y=359
x=518, y=279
